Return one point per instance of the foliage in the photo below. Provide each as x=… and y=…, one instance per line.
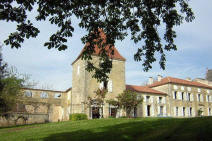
x=78, y=116
x=141, y=19
x=127, y=100
x=98, y=99
x=10, y=87
x=199, y=112
x=145, y=129
x=10, y=93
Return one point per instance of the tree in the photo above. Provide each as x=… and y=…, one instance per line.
x=127, y=100
x=11, y=85
x=117, y=18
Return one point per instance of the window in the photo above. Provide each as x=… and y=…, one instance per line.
x=199, y=97
x=147, y=98
x=182, y=95
x=44, y=95
x=175, y=95
x=183, y=111
x=209, y=111
x=189, y=97
x=138, y=97
x=161, y=110
x=176, y=111
x=105, y=84
x=28, y=93
x=57, y=95
x=78, y=70
x=190, y=111
x=208, y=98
x=148, y=110
x=160, y=99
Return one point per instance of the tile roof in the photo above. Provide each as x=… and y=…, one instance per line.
x=143, y=89
x=167, y=80
x=116, y=55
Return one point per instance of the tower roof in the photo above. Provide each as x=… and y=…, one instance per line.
x=116, y=55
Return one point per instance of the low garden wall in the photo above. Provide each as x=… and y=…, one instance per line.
x=22, y=118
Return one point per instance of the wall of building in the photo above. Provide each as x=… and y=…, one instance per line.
x=84, y=86
x=179, y=102
x=154, y=103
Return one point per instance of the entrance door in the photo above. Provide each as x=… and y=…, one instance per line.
x=95, y=112
x=113, y=112
x=148, y=110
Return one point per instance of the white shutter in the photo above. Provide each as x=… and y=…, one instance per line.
x=197, y=97
x=186, y=96
x=153, y=110
x=179, y=95
x=158, y=110
x=152, y=99
x=144, y=98
x=188, y=113
x=101, y=85
x=174, y=109
x=207, y=98
x=164, y=110
x=78, y=70
x=201, y=97
x=164, y=100
x=192, y=97
x=173, y=94
x=110, y=86
x=158, y=99
x=145, y=110
x=181, y=111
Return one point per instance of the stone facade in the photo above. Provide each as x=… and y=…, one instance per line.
x=84, y=86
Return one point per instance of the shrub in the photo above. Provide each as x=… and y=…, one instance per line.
x=123, y=117
x=111, y=117
x=78, y=116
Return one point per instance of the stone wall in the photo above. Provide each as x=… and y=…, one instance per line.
x=23, y=118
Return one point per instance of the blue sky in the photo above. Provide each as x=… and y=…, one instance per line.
x=52, y=68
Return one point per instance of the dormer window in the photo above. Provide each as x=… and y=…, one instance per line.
x=44, y=95
x=28, y=93
x=57, y=95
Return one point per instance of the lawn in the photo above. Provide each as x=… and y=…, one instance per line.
x=141, y=129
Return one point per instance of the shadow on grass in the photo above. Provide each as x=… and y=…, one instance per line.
x=150, y=130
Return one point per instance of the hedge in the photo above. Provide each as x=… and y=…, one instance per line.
x=78, y=116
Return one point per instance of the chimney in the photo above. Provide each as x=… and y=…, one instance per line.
x=188, y=79
x=160, y=77
x=150, y=81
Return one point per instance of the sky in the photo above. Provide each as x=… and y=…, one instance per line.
x=52, y=68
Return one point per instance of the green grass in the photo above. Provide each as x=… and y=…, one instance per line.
x=140, y=129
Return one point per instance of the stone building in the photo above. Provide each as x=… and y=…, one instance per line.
x=172, y=97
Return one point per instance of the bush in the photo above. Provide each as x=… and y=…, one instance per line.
x=123, y=117
x=78, y=116
x=111, y=117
